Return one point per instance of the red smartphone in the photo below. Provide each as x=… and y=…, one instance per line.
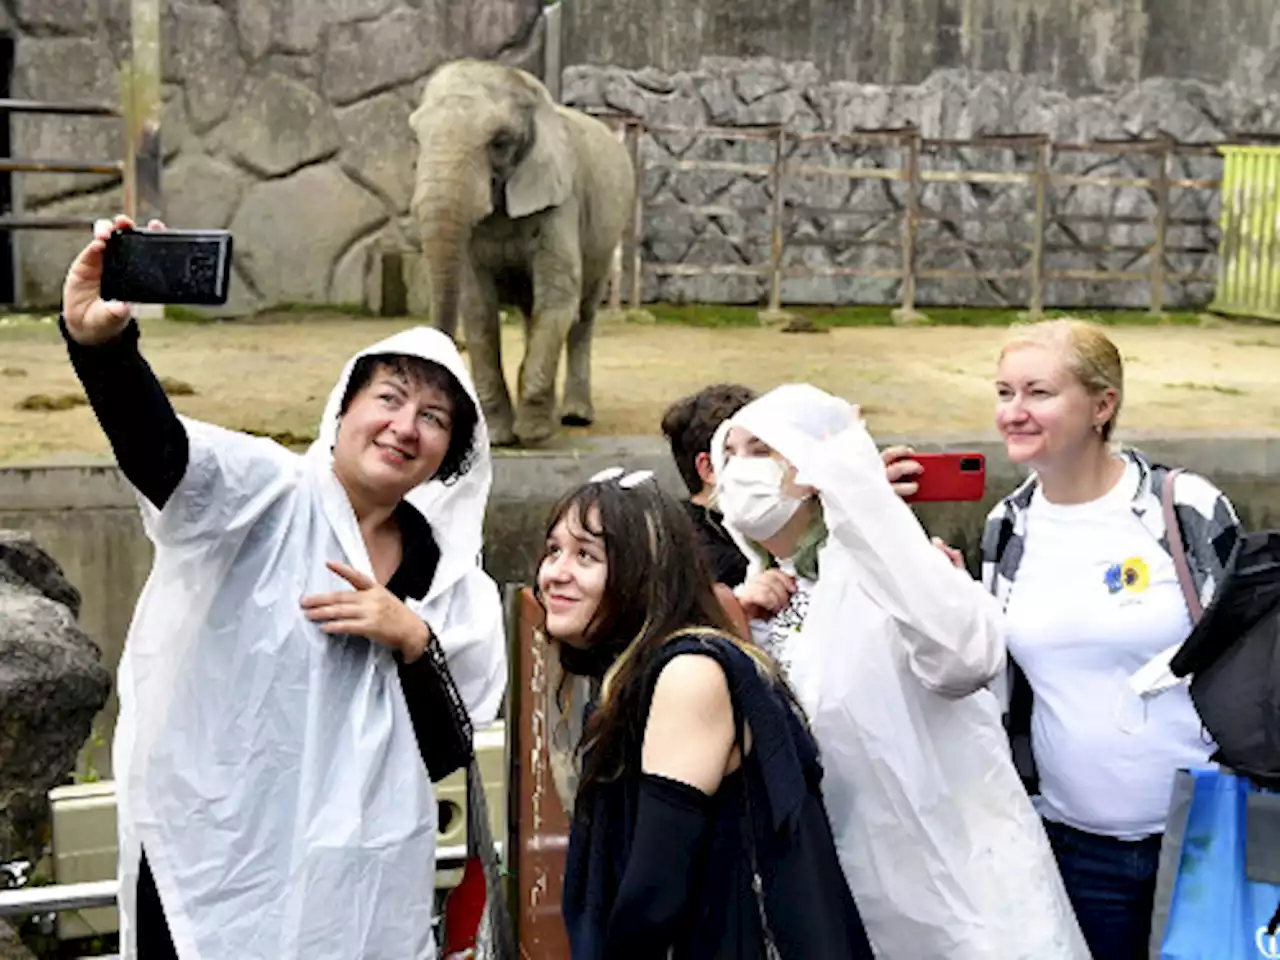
x=949, y=477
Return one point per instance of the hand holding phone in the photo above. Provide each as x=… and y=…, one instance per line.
x=949, y=478
x=167, y=266
x=91, y=318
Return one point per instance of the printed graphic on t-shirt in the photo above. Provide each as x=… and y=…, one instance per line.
x=1130, y=575
x=785, y=624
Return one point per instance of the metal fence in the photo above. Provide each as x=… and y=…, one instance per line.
x=14, y=165
x=913, y=232
x=1249, y=267
x=139, y=170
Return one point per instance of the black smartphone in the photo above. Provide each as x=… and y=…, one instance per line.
x=167, y=266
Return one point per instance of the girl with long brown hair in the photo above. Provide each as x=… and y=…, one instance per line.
x=698, y=827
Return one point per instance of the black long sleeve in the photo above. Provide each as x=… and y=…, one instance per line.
x=663, y=872
x=148, y=439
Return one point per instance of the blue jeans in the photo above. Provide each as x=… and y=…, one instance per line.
x=1112, y=884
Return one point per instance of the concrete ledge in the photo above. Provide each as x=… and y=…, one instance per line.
x=86, y=483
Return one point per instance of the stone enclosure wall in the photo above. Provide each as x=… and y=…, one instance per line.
x=1078, y=70
x=284, y=120
x=820, y=212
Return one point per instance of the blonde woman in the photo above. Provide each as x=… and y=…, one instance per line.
x=1079, y=557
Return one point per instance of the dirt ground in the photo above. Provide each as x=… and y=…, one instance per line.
x=923, y=382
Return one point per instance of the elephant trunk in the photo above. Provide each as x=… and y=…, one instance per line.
x=450, y=198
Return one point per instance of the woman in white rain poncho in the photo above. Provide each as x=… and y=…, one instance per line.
x=890, y=649
x=274, y=799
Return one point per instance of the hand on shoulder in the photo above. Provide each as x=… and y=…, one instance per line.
x=689, y=735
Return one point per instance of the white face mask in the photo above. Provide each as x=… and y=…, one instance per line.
x=749, y=493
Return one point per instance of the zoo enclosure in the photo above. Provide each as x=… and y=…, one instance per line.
x=918, y=228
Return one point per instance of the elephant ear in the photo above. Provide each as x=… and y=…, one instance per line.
x=544, y=178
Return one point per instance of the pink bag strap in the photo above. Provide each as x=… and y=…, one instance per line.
x=1174, y=532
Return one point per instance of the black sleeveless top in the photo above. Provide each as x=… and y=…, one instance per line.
x=656, y=869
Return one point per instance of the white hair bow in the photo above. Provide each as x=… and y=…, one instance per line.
x=626, y=481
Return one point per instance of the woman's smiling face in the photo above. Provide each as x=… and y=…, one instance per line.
x=572, y=576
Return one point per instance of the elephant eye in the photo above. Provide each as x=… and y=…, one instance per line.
x=502, y=142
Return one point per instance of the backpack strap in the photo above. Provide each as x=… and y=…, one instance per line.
x=1178, y=548
x=1155, y=676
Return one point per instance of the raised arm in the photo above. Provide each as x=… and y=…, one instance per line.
x=951, y=626
x=149, y=441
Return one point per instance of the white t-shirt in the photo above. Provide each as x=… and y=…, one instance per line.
x=775, y=634
x=1095, y=598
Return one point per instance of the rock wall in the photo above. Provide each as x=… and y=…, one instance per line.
x=824, y=211
x=284, y=120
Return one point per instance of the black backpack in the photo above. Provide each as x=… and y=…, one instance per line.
x=1233, y=658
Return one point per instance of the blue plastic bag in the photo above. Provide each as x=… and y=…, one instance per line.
x=1219, y=883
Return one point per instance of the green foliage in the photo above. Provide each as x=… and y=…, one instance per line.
x=718, y=315
x=86, y=769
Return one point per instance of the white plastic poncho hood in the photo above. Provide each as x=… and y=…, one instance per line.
x=942, y=849
x=270, y=771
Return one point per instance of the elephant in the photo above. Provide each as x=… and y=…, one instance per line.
x=521, y=202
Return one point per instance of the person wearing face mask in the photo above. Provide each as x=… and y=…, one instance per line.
x=1081, y=557
x=891, y=649
x=284, y=678
x=698, y=827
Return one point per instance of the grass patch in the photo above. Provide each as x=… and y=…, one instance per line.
x=174, y=387
x=180, y=314
x=279, y=312
x=1207, y=387
x=286, y=438
x=13, y=372
x=43, y=403
x=718, y=315
x=1256, y=343
x=345, y=309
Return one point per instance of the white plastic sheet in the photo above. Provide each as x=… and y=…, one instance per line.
x=940, y=844
x=269, y=770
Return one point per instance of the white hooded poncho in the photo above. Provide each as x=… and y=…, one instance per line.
x=270, y=770
x=937, y=838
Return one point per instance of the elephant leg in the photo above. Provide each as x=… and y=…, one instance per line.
x=535, y=415
x=479, y=302
x=577, y=409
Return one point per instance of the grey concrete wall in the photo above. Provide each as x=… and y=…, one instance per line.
x=85, y=516
x=284, y=120
x=1077, y=45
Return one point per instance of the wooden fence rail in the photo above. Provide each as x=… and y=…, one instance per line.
x=783, y=173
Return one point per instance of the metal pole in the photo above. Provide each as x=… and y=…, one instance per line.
x=615, y=270
x=775, y=256
x=1157, y=270
x=910, y=223
x=1044, y=159
x=552, y=58
x=143, y=105
x=635, y=127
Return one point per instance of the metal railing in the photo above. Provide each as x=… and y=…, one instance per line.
x=116, y=168
x=55, y=898
x=907, y=233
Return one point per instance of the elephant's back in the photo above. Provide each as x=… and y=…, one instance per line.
x=605, y=174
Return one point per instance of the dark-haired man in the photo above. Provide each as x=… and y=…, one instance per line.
x=688, y=425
